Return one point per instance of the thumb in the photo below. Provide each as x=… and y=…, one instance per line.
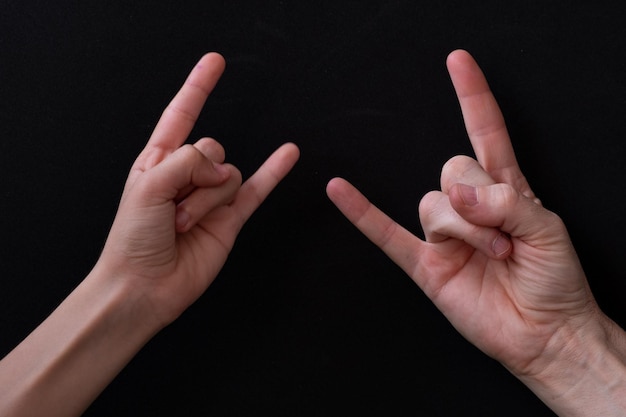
x=503, y=207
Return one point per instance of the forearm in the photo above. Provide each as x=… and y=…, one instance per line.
x=587, y=375
x=64, y=364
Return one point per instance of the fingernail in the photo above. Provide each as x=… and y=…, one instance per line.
x=182, y=218
x=501, y=245
x=468, y=194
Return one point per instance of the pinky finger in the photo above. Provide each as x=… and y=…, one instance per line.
x=256, y=189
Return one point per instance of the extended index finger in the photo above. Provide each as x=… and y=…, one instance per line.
x=484, y=121
x=181, y=114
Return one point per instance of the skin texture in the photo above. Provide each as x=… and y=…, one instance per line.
x=191, y=184
x=497, y=264
x=180, y=212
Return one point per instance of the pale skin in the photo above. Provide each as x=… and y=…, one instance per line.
x=180, y=212
x=501, y=267
x=498, y=265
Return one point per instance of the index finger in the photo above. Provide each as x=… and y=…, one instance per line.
x=484, y=121
x=181, y=114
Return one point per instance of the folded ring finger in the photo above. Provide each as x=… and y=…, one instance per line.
x=212, y=150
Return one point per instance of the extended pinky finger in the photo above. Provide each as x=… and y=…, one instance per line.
x=256, y=189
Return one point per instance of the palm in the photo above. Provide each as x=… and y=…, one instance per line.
x=493, y=303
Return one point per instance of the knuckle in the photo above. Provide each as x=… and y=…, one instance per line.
x=209, y=141
x=456, y=166
x=236, y=176
x=211, y=149
x=426, y=203
x=189, y=152
x=506, y=196
x=429, y=206
x=553, y=220
x=387, y=234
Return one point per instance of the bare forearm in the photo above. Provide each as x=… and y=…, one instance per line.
x=62, y=366
x=587, y=376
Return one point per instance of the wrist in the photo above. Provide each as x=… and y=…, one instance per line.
x=124, y=300
x=137, y=297
x=72, y=356
x=583, y=369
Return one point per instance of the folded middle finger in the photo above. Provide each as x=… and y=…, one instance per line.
x=463, y=169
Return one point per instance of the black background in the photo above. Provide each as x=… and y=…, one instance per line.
x=307, y=317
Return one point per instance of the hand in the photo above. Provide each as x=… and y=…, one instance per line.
x=180, y=212
x=498, y=265
x=182, y=207
x=178, y=217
